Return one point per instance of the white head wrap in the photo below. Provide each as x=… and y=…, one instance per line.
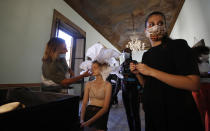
x=103, y=55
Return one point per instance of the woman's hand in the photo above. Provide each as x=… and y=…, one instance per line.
x=86, y=74
x=136, y=72
x=133, y=68
x=85, y=124
x=144, y=69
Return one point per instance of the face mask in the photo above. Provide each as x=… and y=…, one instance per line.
x=204, y=58
x=126, y=55
x=62, y=55
x=155, y=30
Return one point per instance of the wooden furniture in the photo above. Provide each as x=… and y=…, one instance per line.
x=43, y=110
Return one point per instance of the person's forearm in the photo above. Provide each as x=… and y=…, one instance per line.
x=66, y=82
x=190, y=82
x=140, y=79
x=82, y=115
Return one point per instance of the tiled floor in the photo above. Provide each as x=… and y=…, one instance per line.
x=117, y=117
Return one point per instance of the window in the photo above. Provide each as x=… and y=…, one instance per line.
x=69, y=42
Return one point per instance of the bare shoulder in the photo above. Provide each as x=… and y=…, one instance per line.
x=108, y=84
x=87, y=84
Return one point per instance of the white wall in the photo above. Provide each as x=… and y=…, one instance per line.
x=25, y=28
x=193, y=22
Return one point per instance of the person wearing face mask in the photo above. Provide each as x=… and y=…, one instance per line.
x=169, y=73
x=204, y=65
x=202, y=55
x=55, y=71
x=202, y=96
x=130, y=93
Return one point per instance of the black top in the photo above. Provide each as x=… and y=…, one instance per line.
x=171, y=106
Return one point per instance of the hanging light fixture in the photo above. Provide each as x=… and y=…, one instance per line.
x=135, y=44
